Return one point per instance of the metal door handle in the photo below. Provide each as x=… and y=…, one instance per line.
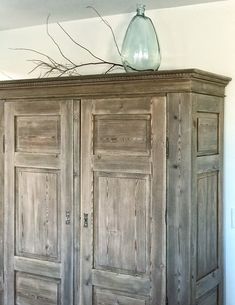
x=85, y=220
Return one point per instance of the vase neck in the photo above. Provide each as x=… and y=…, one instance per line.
x=140, y=10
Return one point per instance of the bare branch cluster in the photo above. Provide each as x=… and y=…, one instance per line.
x=49, y=66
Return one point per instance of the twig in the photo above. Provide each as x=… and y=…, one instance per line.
x=108, y=25
x=56, y=44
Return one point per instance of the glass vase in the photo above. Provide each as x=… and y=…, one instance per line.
x=140, y=48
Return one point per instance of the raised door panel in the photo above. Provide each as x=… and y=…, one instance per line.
x=207, y=224
x=121, y=223
x=38, y=203
x=38, y=214
x=123, y=168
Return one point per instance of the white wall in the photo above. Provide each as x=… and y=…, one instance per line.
x=201, y=36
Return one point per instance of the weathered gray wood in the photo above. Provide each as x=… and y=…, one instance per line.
x=107, y=298
x=207, y=124
x=37, y=233
x=158, y=238
x=118, y=85
x=36, y=290
x=38, y=134
x=1, y=199
x=207, y=226
x=9, y=199
x=128, y=164
x=139, y=105
x=39, y=200
x=122, y=134
x=37, y=267
x=221, y=204
x=207, y=103
x=207, y=164
x=118, y=217
x=123, y=146
x=179, y=199
x=129, y=201
x=37, y=107
x=121, y=282
x=76, y=203
x=50, y=161
x=208, y=283
x=67, y=202
x=86, y=239
x=210, y=298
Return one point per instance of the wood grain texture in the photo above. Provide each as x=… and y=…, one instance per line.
x=37, y=214
x=159, y=201
x=125, y=206
x=121, y=223
x=37, y=267
x=123, y=154
x=77, y=197
x=179, y=199
x=122, y=134
x=207, y=230
x=107, y=298
x=36, y=290
x=38, y=134
x=9, y=199
x=2, y=139
x=207, y=142
x=207, y=224
x=208, y=283
x=67, y=202
x=86, y=237
x=39, y=202
x=210, y=298
x=118, y=85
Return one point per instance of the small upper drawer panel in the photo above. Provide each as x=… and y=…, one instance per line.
x=38, y=134
x=122, y=134
x=207, y=134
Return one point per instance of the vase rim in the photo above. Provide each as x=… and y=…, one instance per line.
x=140, y=9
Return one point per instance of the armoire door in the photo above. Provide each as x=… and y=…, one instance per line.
x=38, y=203
x=123, y=198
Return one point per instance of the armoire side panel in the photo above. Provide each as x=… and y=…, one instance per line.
x=207, y=205
x=1, y=199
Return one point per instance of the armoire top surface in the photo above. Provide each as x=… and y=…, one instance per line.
x=186, y=80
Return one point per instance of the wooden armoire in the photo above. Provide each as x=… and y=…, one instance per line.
x=111, y=189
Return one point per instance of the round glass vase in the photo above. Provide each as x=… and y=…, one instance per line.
x=140, y=47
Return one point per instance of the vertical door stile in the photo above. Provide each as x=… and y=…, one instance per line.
x=159, y=200
x=76, y=200
x=86, y=204
x=67, y=201
x=9, y=200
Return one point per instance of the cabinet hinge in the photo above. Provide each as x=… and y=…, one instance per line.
x=3, y=144
x=167, y=147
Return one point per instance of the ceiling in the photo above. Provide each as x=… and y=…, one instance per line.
x=24, y=13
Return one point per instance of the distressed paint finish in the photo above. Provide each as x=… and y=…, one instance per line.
x=118, y=151
x=38, y=194
x=119, y=201
x=207, y=205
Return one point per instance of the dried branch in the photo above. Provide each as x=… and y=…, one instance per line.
x=108, y=25
x=51, y=66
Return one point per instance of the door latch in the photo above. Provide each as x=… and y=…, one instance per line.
x=85, y=220
x=67, y=218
